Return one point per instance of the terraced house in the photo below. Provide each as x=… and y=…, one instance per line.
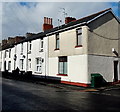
x=77, y=49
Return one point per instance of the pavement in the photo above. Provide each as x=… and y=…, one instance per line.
x=55, y=84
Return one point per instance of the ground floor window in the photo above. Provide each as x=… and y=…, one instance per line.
x=62, y=65
x=14, y=64
x=39, y=64
x=9, y=65
x=29, y=64
x=5, y=66
x=21, y=63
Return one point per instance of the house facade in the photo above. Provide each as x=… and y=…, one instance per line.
x=71, y=52
x=39, y=56
x=85, y=48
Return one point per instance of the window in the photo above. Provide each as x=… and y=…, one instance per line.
x=29, y=64
x=21, y=47
x=9, y=65
x=14, y=64
x=29, y=46
x=39, y=65
x=79, y=38
x=21, y=63
x=9, y=53
x=57, y=42
x=5, y=53
x=62, y=66
x=41, y=45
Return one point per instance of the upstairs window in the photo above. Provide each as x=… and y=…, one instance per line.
x=57, y=42
x=62, y=66
x=9, y=53
x=41, y=45
x=29, y=46
x=21, y=48
x=79, y=37
x=5, y=53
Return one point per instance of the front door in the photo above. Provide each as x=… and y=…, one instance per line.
x=115, y=71
x=5, y=66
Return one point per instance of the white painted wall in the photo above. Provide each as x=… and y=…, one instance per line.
x=77, y=69
x=53, y=66
x=103, y=65
x=7, y=59
x=20, y=56
x=37, y=53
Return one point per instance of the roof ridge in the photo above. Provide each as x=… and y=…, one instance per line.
x=100, y=12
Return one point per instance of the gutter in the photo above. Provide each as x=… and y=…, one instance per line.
x=71, y=27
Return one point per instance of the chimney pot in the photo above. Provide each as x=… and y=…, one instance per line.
x=47, y=24
x=48, y=20
x=51, y=21
x=44, y=20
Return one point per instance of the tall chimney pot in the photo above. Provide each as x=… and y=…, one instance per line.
x=47, y=24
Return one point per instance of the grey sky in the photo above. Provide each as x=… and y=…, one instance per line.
x=18, y=19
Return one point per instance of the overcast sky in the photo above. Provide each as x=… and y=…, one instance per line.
x=18, y=18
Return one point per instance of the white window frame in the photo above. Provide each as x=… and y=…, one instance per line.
x=21, y=64
x=79, y=37
x=41, y=44
x=9, y=65
x=5, y=53
x=62, y=65
x=57, y=39
x=38, y=65
x=29, y=64
x=29, y=46
x=9, y=53
x=21, y=48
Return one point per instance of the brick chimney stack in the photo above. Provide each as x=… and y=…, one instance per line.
x=47, y=24
x=69, y=19
x=11, y=40
x=4, y=41
x=18, y=38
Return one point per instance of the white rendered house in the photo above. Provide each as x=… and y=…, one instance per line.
x=83, y=47
x=71, y=52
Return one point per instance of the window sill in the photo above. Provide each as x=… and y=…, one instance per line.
x=62, y=75
x=38, y=72
x=78, y=46
x=56, y=49
x=41, y=50
x=29, y=52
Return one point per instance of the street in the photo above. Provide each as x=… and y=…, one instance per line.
x=19, y=96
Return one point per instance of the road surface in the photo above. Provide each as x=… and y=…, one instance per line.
x=18, y=96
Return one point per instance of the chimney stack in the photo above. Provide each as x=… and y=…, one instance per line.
x=19, y=38
x=47, y=24
x=69, y=19
x=11, y=40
